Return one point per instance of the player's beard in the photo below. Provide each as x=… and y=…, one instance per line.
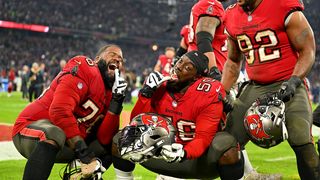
x=175, y=87
x=248, y=5
x=103, y=68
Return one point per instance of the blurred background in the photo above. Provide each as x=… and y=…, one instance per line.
x=46, y=33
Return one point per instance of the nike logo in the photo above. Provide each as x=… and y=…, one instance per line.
x=218, y=89
x=211, y=2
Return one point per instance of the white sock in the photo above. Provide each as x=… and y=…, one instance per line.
x=247, y=164
x=122, y=175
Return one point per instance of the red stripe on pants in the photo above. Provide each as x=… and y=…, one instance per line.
x=33, y=133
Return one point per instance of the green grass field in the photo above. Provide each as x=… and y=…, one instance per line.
x=279, y=159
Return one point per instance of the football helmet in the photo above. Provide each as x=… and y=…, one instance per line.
x=265, y=122
x=144, y=137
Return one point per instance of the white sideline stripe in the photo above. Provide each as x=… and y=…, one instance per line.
x=9, y=152
x=280, y=158
x=6, y=124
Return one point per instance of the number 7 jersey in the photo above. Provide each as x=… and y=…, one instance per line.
x=261, y=36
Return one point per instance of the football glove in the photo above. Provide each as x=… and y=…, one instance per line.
x=153, y=81
x=215, y=73
x=83, y=153
x=120, y=84
x=288, y=88
x=77, y=170
x=118, y=93
x=173, y=153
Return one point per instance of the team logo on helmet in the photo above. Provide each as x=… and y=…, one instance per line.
x=155, y=121
x=255, y=126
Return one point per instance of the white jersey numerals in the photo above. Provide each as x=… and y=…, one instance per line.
x=89, y=105
x=186, y=130
x=267, y=41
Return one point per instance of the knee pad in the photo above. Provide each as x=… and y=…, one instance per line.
x=222, y=142
x=231, y=156
x=232, y=171
x=51, y=131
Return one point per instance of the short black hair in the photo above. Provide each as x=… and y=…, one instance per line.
x=105, y=47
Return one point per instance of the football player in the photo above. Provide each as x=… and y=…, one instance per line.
x=206, y=34
x=164, y=62
x=279, y=49
x=193, y=103
x=75, y=117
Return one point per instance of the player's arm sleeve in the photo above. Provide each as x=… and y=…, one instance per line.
x=207, y=124
x=108, y=128
x=66, y=97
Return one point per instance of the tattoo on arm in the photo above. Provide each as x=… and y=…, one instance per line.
x=234, y=52
x=303, y=36
x=208, y=24
x=233, y=69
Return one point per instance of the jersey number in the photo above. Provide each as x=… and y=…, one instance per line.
x=89, y=104
x=186, y=130
x=205, y=85
x=266, y=51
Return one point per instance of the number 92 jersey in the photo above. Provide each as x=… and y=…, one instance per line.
x=195, y=115
x=261, y=36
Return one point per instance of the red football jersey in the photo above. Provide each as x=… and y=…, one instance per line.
x=185, y=33
x=195, y=114
x=219, y=44
x=262, y=37
x=165, y=64
x=76, y=101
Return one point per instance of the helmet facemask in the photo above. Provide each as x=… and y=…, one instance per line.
x=143, y=140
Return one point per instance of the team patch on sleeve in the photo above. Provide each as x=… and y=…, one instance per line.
x=209, y=10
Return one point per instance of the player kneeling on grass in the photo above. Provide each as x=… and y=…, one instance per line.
x=193, y=105
x=75, y=118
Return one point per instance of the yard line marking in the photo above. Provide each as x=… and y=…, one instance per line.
x=8, y=151
x=280, y=158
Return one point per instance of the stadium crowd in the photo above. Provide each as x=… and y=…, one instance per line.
x=125, y=18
